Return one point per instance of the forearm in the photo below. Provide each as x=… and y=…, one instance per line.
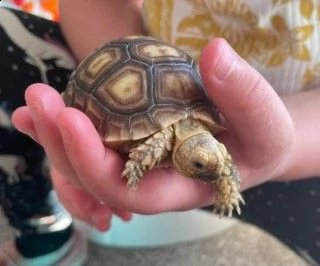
x=304, y=109
x=87, y=24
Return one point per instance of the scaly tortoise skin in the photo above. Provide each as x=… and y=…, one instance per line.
x=146, y=100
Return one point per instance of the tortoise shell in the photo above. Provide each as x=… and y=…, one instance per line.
x=133, y=87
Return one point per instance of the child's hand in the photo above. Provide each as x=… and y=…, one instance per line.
x=260, y=138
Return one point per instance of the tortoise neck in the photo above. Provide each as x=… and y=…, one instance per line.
x=187, y=128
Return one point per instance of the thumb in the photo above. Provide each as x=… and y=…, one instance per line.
x=253, y=111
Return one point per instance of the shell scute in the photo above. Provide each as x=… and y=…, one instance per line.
x=125, y=91
x=157, y=52
x=94, y=68
x=178, y=85
x=133, y=87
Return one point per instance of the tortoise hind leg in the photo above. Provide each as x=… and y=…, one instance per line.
x=147, y=155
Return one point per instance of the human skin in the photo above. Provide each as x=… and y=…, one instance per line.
x=109, y=19
x=268, y=137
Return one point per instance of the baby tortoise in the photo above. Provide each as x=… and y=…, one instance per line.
x=146, y=100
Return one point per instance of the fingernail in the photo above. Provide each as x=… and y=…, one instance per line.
x=97, y=216
x=66, y=134
x=37, y=105
x=103, y=226
x=100, y=219
x=31, y=135
x=226, y=64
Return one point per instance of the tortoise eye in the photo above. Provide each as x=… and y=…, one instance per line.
x=198, y=165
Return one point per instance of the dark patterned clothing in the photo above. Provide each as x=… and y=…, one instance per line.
x=290, y=211
x=31, y=50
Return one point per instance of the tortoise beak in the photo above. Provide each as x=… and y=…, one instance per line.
x=207, y=178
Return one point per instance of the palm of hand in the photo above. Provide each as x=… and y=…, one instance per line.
x=249, y=105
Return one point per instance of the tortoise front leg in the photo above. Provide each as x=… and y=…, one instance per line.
x=147, y=155
x=228, y=196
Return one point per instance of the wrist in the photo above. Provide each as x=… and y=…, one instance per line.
x=302, y=161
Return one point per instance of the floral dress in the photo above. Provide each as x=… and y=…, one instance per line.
x=281, y=39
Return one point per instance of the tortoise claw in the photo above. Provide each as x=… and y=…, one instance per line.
x=227, y=206
x=132, y=173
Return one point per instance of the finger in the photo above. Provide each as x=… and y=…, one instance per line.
x=44, y=103
x=251, y=107
x=93, y=163
x=22, y=120
x=123, y=214
x=9, y=254
x=81, y=204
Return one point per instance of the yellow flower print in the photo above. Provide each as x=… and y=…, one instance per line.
x=311, y=74
x=230, y=19
x=157, y=14
x=307, y=7
x=290, y=42
x=280, y=2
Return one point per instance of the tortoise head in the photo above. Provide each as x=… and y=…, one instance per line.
x=199, y=156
